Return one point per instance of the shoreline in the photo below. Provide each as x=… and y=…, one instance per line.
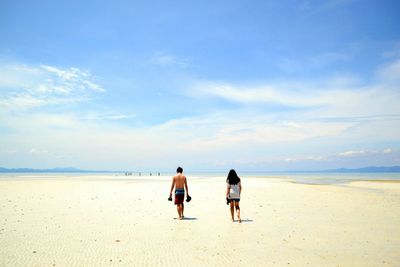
x=302, y=178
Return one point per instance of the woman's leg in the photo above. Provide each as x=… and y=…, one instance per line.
x=231, y=206
x=238, y=210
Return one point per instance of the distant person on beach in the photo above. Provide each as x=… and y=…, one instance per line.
x=179, y=181
x=233, y=190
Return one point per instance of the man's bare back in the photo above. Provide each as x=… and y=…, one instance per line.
x=180, y=180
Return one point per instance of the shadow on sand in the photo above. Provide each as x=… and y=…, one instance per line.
x=245, y=220
x=187, y=219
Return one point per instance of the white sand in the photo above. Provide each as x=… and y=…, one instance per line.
x=89, y=221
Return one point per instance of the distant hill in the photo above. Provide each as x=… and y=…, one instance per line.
x=371, y=169
x=54, y=170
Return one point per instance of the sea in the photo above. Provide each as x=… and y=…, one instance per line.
x=296, y=177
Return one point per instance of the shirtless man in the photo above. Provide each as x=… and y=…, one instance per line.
x=179, y=182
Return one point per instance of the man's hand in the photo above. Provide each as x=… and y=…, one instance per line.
x=170, y=197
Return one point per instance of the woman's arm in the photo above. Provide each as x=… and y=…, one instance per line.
x=240, y=188
x=227, y=190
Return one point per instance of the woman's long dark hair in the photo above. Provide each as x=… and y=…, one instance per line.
x=233, y=178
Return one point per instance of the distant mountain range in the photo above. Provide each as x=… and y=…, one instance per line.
x=54, y=170
x=371, y=169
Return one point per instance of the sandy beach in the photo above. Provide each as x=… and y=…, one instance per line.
x=118, y=221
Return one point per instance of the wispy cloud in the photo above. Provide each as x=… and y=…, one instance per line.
x=366, y=152
x=306, y=158
x=352, y=153
x=390, y=72
x=323, y=103
x=387, y=151
x=9, y=151
x=240, y=129
x=25, y=86
x=393, y=53
x=108, y=116
x=36, y=151
x=168, y=60
x=74, y=77
x=332, y=98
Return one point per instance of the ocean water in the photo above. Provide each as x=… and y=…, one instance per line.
x=333, y=178
x=315, y=177
x=300, y=177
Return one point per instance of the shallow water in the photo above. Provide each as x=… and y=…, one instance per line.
x=303, y=177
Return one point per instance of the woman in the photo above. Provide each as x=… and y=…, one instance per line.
x=233, y=190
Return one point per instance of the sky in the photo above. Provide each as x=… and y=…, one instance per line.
x=207, y=85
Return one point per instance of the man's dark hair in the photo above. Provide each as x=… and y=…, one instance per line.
x=233, y=178
x=180, y=170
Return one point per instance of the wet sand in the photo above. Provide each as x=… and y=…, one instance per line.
x=118, y=221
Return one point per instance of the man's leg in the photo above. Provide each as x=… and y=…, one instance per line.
x=178, y=208
x=181, y=211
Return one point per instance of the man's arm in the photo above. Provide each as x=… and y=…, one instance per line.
x=172, y=186
x=186, y=186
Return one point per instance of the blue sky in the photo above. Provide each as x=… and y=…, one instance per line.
x=251, y=85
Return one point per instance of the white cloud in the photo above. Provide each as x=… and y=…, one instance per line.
x=394, y=53
x=260, y=94
x=108, y=116
x=67, y=75
x=22, y=101
x=93, y=86
x=120, y=116
x=366, y=152
x=26, y=101
x=38, y=151
x=306, y=158
x=390, y=72
x=166, y=60
x=352, y=153
x=349, y=154
x=387, y=151
x=25, y=87
x=328, y=100
x=237, y=129
x=9, y=151
x=218, y=140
